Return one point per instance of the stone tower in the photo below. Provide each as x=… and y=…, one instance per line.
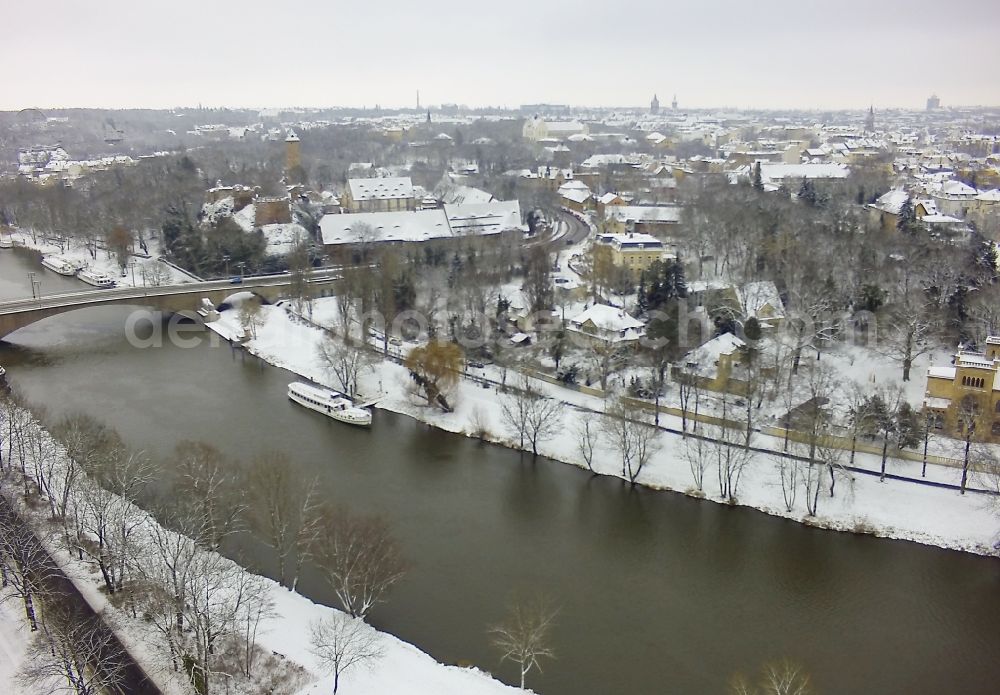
x=654, y=105
x=293, y=153
x=870, y=121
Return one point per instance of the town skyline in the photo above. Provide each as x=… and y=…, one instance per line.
x=772, y=56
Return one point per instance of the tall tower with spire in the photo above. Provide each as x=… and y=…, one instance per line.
x=673, y=104
x=870, y=121
x=654, y=105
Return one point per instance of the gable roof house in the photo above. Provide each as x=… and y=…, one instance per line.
x=715, y=365
x=762, y=301
x=607, y=325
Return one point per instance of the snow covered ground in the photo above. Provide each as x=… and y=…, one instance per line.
x=894, y=509
x=77, y=253
x=14, y=636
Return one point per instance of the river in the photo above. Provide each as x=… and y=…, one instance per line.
x=658, y=593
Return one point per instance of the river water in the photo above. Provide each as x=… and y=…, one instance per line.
x=658, y=593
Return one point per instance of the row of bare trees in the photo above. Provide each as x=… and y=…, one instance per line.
x=85, y=483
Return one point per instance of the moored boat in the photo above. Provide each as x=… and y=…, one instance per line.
x=59, y=265
x=96, y=278
x=329, y=402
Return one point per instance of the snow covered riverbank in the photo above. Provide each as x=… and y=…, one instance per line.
x=892, y=509
x=285, y=662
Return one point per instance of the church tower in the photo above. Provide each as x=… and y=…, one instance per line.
x=654, y=105
x=293, y=153
x=870, y=121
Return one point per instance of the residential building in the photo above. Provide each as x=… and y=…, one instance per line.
x=715, y=365
x=380, y=195
x=762, y=301
x=607, y=325
x=636, y=252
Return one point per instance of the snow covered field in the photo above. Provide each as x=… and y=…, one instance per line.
x=893, y=509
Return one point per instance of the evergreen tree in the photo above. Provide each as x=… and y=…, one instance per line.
x=756, y=179
x=907, y=217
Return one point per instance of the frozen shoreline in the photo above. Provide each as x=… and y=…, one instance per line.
x=893, y=509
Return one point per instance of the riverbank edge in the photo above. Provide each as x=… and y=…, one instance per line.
x=144, y=648
x=855, y=526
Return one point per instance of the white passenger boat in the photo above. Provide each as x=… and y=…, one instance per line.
x=330, y=403
x=96, y=278
x=59, y=265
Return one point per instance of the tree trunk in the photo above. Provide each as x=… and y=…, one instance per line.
x=885, y=450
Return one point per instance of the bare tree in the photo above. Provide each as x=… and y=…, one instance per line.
x=250, y=316
x=523, y=637
x=907, y=335
x=344, y=360
x=587, y=438
x=360, y=560
x=532, y=416
x=78, y=650
x=731, y=457
x=689, y=393
x=697, y=453
x=634, y=440
x=286, y=511
x=781, y=678
x=342, y=642
x=25, y=568
x=208, y=483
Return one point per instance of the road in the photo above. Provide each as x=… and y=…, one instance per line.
x=97, y=295
x=134, y=680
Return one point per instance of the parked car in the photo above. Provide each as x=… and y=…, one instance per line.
x=475, y=365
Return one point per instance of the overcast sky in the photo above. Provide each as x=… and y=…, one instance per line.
x=746, y=54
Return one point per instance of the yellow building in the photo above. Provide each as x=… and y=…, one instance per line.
x=379, y=195
x=715, y=366
x=634, y=251
x=967, y=393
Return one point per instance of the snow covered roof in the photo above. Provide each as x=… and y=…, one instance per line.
x=381, y=189
x=609, y=321
x=465, y=194
x=644, y=213
x=958, y=189
x=941, y=373
x=703, y=360
x=404, y=226
x=631, y=241
x=484, y=218
x=891, y=202
x=992, y=196
x=608, y=197
x=575, y=195
x=758, y=295
x=779, y=172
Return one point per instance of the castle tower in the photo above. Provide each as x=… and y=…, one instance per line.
x=293, y=153
x=654, y=105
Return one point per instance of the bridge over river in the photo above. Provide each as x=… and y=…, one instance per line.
x=183, y=298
